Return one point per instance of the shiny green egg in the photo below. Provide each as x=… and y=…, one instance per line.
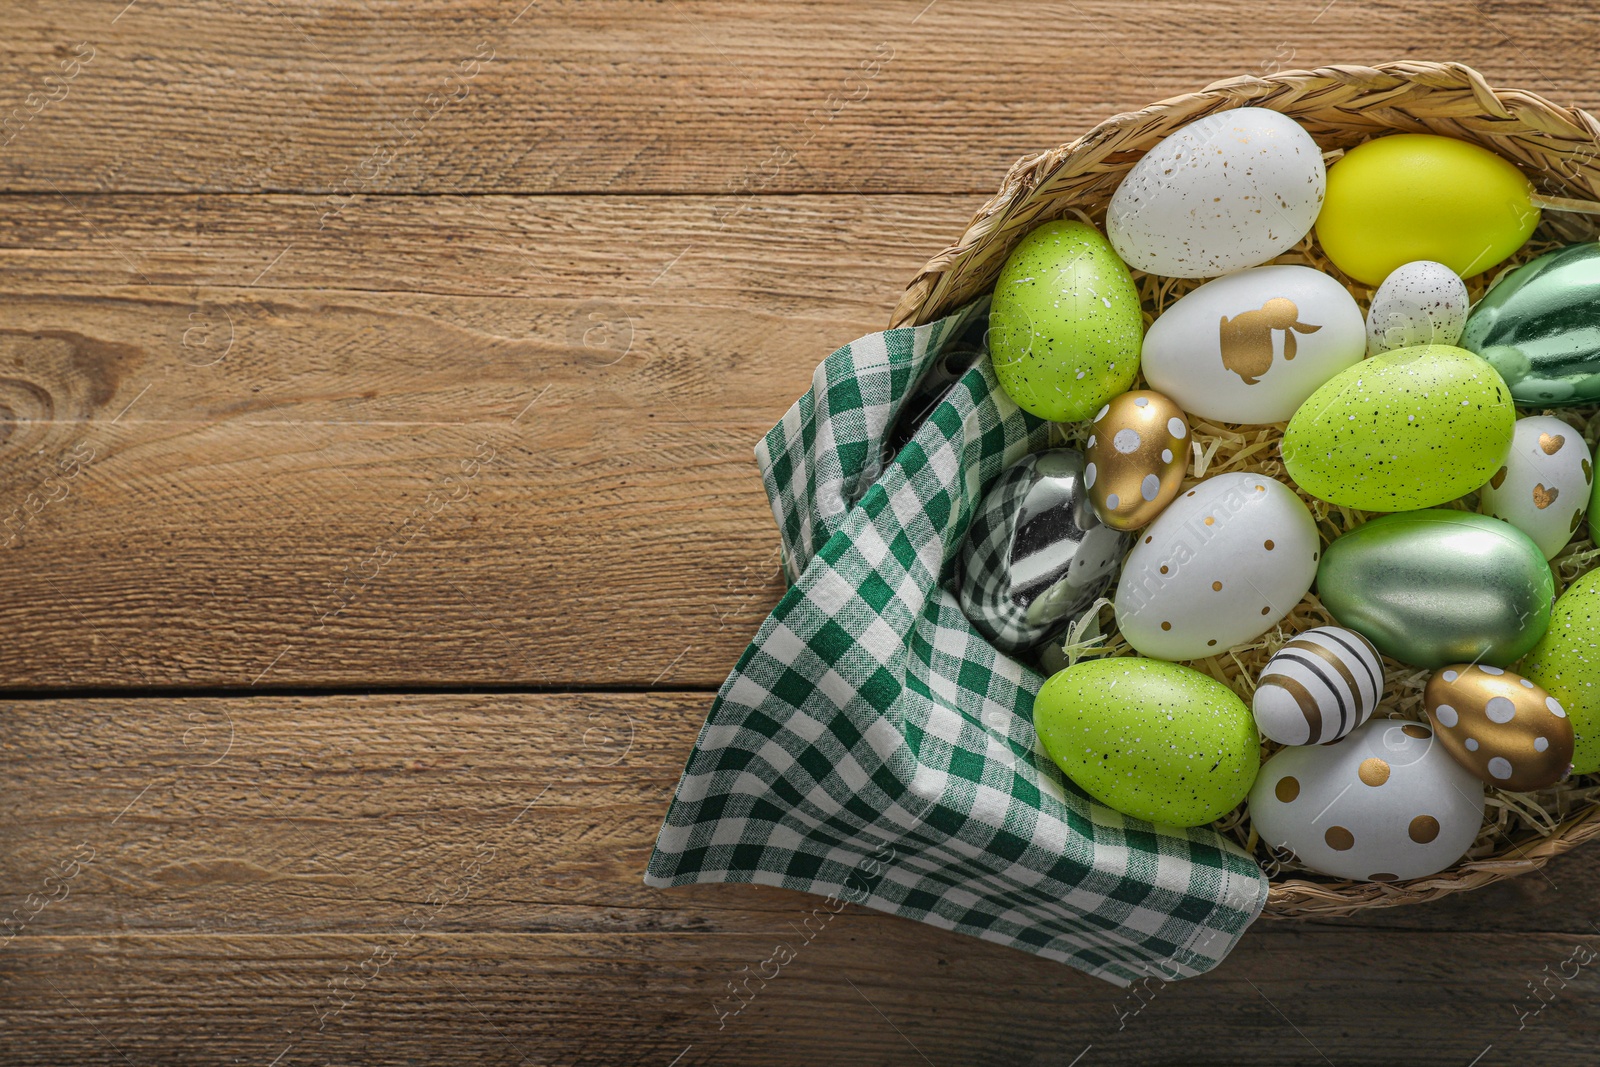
x=1065, y=326
x=1566, y=662
x=1429, y=588
x=1539, y=326
x=1404, y=430
x=1150, y=739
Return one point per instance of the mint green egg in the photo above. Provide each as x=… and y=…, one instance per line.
x=1151, y=739
x=1440, y=586
x=1404, y=430
x=1065, y=328
x=1566, y=662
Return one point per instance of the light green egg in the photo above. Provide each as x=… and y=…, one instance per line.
x=1440, y=586
x=1566, y=662
x=1065, y=327
x=1150, y=739
x=1402, y=431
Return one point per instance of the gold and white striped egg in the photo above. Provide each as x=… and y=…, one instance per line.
x=1318, y=687
x=1136, y=451
x=1502, y=727
x=1383, y=804
x=1543, y=487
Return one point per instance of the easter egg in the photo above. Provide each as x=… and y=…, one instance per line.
x=1539, y=326
x=1318, y=687
x=1251, y=347
x=1384, y=804
x=1420, y=303
x=1502, y=727
x=1136, y=450
x=1544, y=486
x=1411, y=196
x=1219, y=567
x=1435, y=587
x=1065, y=324
x=1153, y=740
x=1566, y=662
x=1403, y=430
x=1227, y=191
x=1036, y=555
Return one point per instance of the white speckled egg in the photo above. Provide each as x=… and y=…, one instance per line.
x=1318, y=687
x=1419, y=303
x=1222, y=564
x=1384, y=804
x=1543, y=489
x=1251, y=347
x=1227, y=191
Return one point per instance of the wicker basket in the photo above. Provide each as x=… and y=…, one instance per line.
x=1341, y=106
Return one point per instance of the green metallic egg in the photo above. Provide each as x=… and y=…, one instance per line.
x=1566, y=662
x=1539, y=326
x=1434, y=587
x=1403, y=430
x=1150, y=738
x=1065, y=327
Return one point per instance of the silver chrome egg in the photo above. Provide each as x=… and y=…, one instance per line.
x=1036, y=555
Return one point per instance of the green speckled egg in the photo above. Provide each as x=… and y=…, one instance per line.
x=1401, y=431
x=1064, y=327
x=1150, y=739
x=1566, y=662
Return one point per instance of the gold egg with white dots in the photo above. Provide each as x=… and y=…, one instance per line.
x=1383, y=804
x=1504, y=728
x=1136, y=452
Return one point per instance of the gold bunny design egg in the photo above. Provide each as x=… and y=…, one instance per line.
x=1500, y=726
x=1136, y=452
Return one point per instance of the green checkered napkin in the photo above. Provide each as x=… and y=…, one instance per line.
x=868, y=719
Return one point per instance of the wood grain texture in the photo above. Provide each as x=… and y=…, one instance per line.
x=210, y=482
x=352, y=98
x=889, y=992
x=338, y=814
x=278, y=286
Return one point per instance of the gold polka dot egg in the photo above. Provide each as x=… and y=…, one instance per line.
x=1384, y=804
x=1136, y=452
x=1500, y=726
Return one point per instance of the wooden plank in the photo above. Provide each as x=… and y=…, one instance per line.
x=340, y=814
x=327, y=479
x=355, y=99
x=891, y=993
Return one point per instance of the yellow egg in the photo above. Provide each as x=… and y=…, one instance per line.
x=1136, y=450
x=1502, y=727
x=1412, y=196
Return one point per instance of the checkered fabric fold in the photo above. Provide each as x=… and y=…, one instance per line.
x=872, y=747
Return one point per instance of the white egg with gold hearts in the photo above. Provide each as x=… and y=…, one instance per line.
x=1544, y=485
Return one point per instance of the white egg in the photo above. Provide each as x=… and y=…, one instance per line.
x=1227, y=191
x=1318, y=687
x=1385, y=803
x=1251, y=347
x=1220, y=566
x=1419, y=303
x=1543, y=488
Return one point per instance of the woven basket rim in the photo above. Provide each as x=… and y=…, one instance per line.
x=1524, y=126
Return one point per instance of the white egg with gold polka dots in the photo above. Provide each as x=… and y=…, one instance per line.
x=1384, y=804
x=1543, y=487
x=1221, y=565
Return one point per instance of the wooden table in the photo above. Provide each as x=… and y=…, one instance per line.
x=378, y=385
